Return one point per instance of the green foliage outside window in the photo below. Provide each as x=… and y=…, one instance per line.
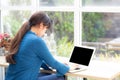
x=15, y=19
x=63, y=25
x=64, y=47
x=63, y=31
x=93, y=27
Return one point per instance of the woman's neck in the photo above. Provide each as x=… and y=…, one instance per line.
x=35, y=30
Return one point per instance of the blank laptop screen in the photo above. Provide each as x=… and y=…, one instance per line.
x=81, y=55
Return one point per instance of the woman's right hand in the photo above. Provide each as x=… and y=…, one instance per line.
x=72, y=66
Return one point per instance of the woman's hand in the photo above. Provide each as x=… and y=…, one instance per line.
x=72, y=66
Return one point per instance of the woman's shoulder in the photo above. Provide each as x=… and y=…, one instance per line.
x=31, y=37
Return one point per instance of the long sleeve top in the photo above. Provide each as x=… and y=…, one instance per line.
x=31, y=56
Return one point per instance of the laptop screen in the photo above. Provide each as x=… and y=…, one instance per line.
x=81, y=55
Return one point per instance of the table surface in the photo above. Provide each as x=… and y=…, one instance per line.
x=3, y=62
x=99, y=70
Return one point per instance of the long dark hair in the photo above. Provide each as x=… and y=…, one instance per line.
x=36, y=18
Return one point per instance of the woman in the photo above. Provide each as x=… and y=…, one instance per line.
x=29, y=52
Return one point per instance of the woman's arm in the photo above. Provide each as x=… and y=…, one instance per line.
x=43, y=52
x=45, y=66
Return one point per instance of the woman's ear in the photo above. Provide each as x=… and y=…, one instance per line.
x=41, y=26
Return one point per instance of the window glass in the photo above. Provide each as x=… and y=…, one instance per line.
x=16, y=3
x=60, y=41
x=101, y=30
x=12, y=20
x=101, y=2
x=56, y=2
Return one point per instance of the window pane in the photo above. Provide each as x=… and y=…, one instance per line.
x=12, y=20
x=102, y=31
x=56, y=2
x=60, y=41
x=16, y=3
x=101, y=2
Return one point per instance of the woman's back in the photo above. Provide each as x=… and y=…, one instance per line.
x=27, y=62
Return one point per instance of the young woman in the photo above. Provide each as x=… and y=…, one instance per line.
x=28, y=52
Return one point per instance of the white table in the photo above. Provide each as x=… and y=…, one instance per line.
x=3, y=64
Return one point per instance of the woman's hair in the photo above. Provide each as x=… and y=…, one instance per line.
x=35, y=19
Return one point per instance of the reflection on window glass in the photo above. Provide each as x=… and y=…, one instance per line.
x=102, y=31
x=56, y=2
x=101, y=2
x=16, y=2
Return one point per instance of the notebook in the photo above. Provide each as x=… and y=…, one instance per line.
x=81, y=55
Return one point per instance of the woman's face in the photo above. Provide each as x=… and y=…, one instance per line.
x=42, y=29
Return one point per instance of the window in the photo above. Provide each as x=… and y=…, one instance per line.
x=76, y=22
x=15, y=13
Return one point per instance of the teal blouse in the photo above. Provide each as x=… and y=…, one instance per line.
x=31, y=56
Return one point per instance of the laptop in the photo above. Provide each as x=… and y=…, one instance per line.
x=81, y=55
